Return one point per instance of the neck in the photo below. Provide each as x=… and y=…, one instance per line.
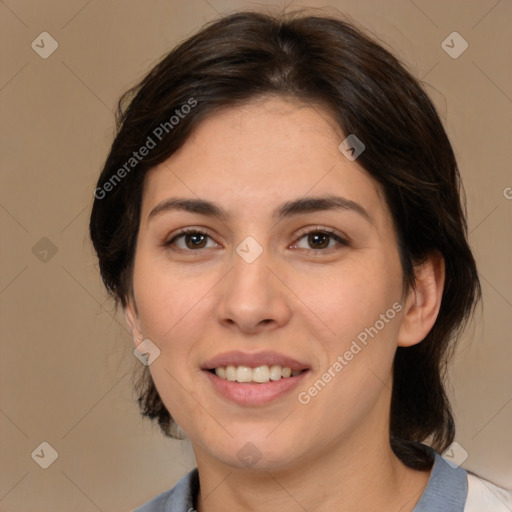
x=360, y=473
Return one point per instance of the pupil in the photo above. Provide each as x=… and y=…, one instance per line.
x=195, y=236
x=315, y=236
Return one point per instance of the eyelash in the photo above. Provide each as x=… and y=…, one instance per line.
x=326, y=231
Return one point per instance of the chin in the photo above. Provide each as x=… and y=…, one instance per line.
x=257, y=453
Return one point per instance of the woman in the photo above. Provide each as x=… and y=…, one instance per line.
x=279, y=217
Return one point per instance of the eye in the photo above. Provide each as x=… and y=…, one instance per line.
x=319, y=239
x=193, y=239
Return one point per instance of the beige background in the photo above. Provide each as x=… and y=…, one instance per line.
x=67, y=361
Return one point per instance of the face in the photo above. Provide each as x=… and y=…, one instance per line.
x=267, y=278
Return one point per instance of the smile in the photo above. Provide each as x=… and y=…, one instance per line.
x=251, y=393
x=260, y=374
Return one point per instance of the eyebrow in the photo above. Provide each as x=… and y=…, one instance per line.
x=288, y=209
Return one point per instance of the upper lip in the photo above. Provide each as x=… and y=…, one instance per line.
x=237, y=358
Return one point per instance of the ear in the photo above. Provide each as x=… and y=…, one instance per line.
x=423, y=301
x=132, y=319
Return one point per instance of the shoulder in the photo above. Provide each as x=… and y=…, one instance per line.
x=454, y=489
x=484, y=496
x=446, y=490
x=180, y=498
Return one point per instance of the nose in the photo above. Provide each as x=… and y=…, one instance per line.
x=253, y=297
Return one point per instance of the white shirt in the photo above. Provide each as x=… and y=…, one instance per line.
x=484, y=496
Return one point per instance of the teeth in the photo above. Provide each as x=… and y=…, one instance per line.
x=260, y=374
x=275, y=372
x=244, y=374
x=231, y=373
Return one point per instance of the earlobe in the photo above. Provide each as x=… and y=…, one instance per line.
x=423, y=301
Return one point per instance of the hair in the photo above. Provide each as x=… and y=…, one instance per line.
x=330, y=62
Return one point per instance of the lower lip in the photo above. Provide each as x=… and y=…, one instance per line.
x=251, y=395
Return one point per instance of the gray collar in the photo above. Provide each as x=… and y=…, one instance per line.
x=447, y=488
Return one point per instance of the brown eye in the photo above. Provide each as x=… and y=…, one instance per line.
x=189, y=239
x=195, y=240
x=320, y=239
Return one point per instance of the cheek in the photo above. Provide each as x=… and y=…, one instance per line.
x=173, y=307
x=359, y=304
x=168, y=298
x=361, y=313
x=350, y=298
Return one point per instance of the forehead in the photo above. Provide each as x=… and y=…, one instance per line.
x=267, y=151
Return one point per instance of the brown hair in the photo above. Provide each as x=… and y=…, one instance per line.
x=327, y=61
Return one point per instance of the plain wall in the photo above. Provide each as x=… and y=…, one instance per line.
x=67, y=360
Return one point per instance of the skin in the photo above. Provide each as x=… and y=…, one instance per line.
x=295, y=298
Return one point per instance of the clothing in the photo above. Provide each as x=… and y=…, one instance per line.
x=449, y=489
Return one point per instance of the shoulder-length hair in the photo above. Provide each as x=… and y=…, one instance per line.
x=319, y=60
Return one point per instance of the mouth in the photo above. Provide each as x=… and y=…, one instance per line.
x=257, y=375
x=256, y=366
x=255, y=379
x=252, y=393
